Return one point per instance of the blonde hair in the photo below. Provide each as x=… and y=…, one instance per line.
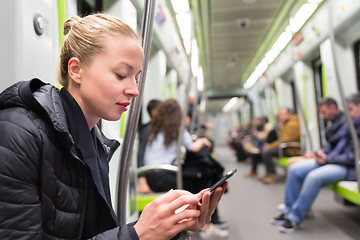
x=84, y=38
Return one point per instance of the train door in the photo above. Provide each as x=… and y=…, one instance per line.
x=304, y=83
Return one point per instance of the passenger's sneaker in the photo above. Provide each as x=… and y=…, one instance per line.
x=268, y=180
x=222, y=225
x=279, y=220
x=287, y=227
x=251, y=174
x=214, y=233
x=281, y=206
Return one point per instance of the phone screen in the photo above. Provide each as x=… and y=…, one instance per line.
x=222, y=180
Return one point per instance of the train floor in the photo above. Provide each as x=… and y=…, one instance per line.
x=249, y=205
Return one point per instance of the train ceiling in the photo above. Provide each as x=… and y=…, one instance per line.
x=233, y=36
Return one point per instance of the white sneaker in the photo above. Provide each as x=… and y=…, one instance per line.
x=214, y=233
x=281, y=207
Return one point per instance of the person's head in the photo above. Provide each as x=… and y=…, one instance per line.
x=257, y=124
x=151, y=107
x=167, y=120
x=100, y=63
x=284, y=114
x=353, y=102
x=328, y=109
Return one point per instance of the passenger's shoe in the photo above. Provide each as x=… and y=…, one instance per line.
x=251, y=174
x=262, y=177
x=222, y=225
x=214, y=233
x=269, y=180
x=281, y=207
x=279, y=220
x=287, y=227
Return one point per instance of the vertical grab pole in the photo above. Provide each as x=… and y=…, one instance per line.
x=180, y=154
x=133, y=118
x=354, y=136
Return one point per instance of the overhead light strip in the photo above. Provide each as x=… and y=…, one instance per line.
x=295, y=23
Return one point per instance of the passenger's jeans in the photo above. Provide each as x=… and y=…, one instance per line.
x=303, y=183
x=267, y=157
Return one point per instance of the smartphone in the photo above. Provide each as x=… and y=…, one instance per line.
x=222, y=180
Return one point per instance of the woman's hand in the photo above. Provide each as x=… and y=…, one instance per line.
x=208, y=206
x=175, y=211
x=164, y=217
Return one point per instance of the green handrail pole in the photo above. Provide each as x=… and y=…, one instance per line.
x=354, y=136
x=134, y=112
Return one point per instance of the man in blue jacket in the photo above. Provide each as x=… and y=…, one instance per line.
x=334, y=163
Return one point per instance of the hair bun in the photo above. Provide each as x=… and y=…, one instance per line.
x=69, y=23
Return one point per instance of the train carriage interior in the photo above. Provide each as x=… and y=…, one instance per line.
x=228, y=63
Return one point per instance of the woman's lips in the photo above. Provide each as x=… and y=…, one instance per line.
x=123, y=106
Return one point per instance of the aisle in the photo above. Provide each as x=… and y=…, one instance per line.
x=250, y=204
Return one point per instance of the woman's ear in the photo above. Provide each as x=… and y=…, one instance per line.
x=74, y=69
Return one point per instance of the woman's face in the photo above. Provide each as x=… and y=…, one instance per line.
x=354, y=110
x=109, y=81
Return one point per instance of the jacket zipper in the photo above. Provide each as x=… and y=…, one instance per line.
x=84, y=203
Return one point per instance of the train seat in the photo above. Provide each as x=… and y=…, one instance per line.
x=143, y=199
x=281, y=160
x=347, y=190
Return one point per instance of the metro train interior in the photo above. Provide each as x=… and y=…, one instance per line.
x=239, y=60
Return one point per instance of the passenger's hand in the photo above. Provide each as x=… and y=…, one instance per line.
x=206, y=142
x=309, y=154
x=266, y=146
x=164, y=217
x=208, y=206
x=320, y=158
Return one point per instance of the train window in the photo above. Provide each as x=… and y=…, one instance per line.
x=357, y=62
x=319, y=92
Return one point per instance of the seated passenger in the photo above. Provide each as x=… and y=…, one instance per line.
x=161, y=149
x=235, y=137
x=151, y=108
x=305, y=178
x=161, y=144
x=289, y=132
x=330, y=113
x=255, y=144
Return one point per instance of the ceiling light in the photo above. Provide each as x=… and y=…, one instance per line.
x=180, y=6
x=229, y=105
x=302, y=16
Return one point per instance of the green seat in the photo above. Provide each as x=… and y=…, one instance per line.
x=282, y=161
x=347, y=190
x=143, y=199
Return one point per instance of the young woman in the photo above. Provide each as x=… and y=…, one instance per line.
x=54, y=159
x=161, y=144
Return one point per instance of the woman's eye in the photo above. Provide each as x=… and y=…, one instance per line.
x=121, y=77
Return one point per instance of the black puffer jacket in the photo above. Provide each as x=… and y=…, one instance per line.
x=43, y=178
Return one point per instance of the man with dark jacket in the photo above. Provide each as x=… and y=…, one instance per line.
x=330, y=113
x=305, y=178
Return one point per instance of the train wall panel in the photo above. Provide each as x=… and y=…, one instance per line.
x=25, y=54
